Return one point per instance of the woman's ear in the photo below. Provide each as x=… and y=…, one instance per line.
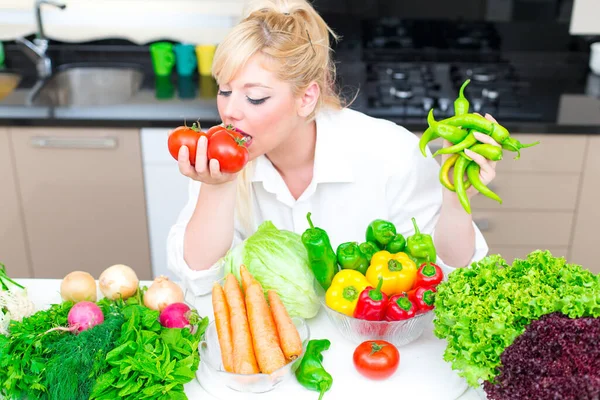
x=308, y=100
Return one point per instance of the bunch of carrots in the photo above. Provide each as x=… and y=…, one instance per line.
x=253, y=336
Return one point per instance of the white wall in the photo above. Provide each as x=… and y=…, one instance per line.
x=585, y=19
x=141, y=21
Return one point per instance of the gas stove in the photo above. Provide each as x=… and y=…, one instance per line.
x=410, y=90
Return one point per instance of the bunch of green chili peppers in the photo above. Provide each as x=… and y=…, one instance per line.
x=459, y=130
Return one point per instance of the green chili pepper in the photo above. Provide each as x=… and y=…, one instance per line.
x=480, y=124
x=427, y=137
x=473, y=175
x=321, y=257
x=310, y=373
x=454, y=134
x=349, y=256
x=461, y=104
x=380, y=232
x=489, y=151
x=469, y=141
x=368, y=249
x=512, y=144
x=420, y=246
x=397, y=244
x=461, y=191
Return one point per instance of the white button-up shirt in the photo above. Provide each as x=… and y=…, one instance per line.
x=365, y=168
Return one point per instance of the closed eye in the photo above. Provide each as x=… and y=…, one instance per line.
x=224, y=93
x=257, y=101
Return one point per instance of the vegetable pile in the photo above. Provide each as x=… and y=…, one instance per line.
x=556, y=357
x=481, y=310
x=264, y=254
x=227, y=144
x=253, y=336
x=116, y=347
x=459, y=130
x=386, y=278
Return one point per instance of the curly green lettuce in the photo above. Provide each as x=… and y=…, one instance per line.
x=480, y=310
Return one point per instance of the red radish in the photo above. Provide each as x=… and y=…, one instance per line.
x=82, y=316
x=178, y=315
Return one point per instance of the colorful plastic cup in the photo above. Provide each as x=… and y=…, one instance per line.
x=164, y=88
x=205, y=54
x=185, y=59
x=163, y=58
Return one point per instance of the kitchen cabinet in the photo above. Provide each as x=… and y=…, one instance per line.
x=584, y=248
x=13, y=247
x=82, y=195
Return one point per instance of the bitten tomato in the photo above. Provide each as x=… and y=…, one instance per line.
x=229, y=148
x=185, y=136
x=376, y=359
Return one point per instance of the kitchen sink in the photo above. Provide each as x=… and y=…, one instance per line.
x=8, y=82
x=88, y=85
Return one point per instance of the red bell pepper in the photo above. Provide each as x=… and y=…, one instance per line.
x=399, y=308
x=371, y=303
x=423, y=298
x=429, y=274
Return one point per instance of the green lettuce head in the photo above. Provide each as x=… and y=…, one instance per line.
x=278, y=260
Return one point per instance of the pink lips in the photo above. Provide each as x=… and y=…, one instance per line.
x=248, y=137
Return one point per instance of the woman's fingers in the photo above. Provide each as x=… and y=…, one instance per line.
x=201, y=156
x=483, y=138
x=487, y=169
x=183, y=161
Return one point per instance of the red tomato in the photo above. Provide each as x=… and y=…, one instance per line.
x=229, y=148
x=376, y=359
x=185, y=136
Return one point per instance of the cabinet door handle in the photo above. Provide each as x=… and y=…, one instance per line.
x=483, y=224
x=74, y=142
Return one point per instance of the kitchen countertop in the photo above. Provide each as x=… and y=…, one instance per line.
x=425, y=354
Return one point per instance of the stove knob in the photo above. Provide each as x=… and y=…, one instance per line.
x=477, y=104
x=427, y=103
x=490, y=94
x=444, y=103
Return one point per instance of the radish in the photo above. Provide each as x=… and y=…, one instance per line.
x=82, y=316
x=178, y=315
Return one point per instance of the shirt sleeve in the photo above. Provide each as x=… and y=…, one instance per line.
x=413, y=190
x=198, y=282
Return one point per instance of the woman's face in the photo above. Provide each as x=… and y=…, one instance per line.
x=259, y=105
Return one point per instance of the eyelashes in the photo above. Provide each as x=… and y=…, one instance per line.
x=250, y=100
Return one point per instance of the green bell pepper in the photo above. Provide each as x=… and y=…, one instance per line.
x=310, y=373
x=397, y=244
x=380, y=232
x=420, y=246
x=321, y=257
x=349, y=256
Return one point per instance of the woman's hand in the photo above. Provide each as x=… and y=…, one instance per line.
x=487, y=170
x=205, y=171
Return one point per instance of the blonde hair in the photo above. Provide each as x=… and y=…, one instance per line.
x=294, y=37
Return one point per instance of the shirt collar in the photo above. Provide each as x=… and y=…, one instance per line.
x=331, y=160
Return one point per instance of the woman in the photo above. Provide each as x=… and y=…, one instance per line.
x=308, y=153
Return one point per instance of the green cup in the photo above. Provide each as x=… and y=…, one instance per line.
x=163, y=58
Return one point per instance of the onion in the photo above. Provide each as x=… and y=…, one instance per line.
x=78, y=286
x=161, y=293
x=118, y=281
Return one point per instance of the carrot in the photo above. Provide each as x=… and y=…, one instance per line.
x=244, y=361
x=264, y=333
x=288, y=334
x=247, y=278
x=221, y=311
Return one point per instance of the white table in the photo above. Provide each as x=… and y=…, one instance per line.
x=422, y=372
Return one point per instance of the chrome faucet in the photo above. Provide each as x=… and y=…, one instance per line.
x=36, y=50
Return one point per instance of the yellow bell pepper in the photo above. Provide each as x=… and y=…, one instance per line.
x=397, y=270
x=345, y=288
